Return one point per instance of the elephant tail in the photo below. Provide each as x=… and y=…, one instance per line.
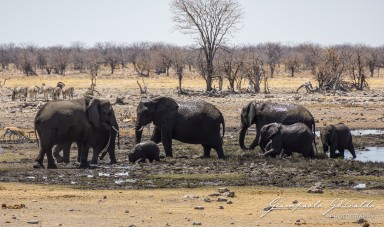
x=37, y=138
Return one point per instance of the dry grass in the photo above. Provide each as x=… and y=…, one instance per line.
x=126, y=79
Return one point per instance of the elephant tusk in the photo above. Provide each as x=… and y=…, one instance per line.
x=113, y=127
x=141, y=129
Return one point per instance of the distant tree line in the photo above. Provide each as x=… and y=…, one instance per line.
x=338, y=67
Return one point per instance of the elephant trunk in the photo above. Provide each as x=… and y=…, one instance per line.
x=105, y=150
x=138, y=132
x=242, y=133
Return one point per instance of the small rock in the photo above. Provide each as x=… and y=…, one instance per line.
x=34, y=200
x=199, y=208
x=222, y=190
x=127, y=211
x=229, y=202
x=33, y=222
x=295, y=201
x=214, y=194
x=196, y=223
x=229, y=194
x=132, y=225
x=105, y=197
x=207, y=200
x=221, y=207
x=315, y=189
x=366, y=224
x=190, y=197
x=222, y=199
x=4, y=206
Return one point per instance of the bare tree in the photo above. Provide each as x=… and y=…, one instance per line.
x=231, y=62
x=292, y=60
x=273, y=54
x=78, y=56
x=211, y=21
x=60, y=57
x=254, y=70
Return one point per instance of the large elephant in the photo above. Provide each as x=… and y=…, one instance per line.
x=61, y=122
x=337, y=137
x=195, y=122
x=100, y=140
x=267, y=112
x=279, y=139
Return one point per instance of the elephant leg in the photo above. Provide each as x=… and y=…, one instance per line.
x=207, y=151
x=84, y=155
x=56, y=153
x=332, y=152
x=95, y=156
x=341, y=153
x=220, y=152
x=40, y=158
x=112, y=157
x=255, y=142
x=166, y=137
x=351, y=149
x=51, y=161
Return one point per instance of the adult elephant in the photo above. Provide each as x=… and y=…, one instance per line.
x=60, y=122
x=267, y=112
x=279, y=139
x=101, y=139
x=337, y=137
x=195, y=122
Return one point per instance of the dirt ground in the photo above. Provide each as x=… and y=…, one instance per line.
x=151, y=194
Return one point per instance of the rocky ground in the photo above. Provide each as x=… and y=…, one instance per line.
x=359, y=110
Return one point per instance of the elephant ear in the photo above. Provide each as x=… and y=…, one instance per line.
x=251, y=112
x=166, y=108
x=93, y=112
x=272, y=130
x=332, y=134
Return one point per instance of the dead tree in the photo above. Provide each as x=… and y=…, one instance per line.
x=2, y=84
x=143, y=90
x=308, y=87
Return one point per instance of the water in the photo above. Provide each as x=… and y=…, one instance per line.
x=374, y=154
x=362, y=132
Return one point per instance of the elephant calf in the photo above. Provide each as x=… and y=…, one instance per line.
x=144, y=150
x=279, y=139
x=337, y=137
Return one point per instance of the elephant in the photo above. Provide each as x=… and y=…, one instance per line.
x=62, y=121
x=337, y=137
x=267, y=112
x=100, y=139
x=279, y=139
x=194, y=122
x=144, y=150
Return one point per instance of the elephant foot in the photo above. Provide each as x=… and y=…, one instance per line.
x=113, y=162
x=204, y=156
x=52, y=166
x=38, y=166
x=85, y=165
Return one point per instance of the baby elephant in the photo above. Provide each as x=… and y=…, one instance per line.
x=144, y=150
x=279, y=139
x=337, y=137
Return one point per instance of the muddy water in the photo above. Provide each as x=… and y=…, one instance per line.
x=374, y=154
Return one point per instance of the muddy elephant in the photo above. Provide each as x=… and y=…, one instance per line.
x=100, y=140
x=61, y=122
x=263, y=113
x=279, y=139
x=337, y=137
x=144, y=150
x=194, y=122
